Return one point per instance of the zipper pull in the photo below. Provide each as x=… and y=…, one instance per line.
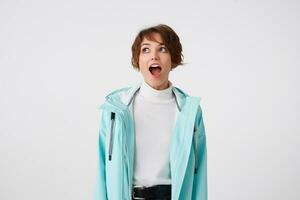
x=112, y=118
x=195, y=150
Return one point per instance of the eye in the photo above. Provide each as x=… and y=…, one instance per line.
x=163, y=49
x=145, y=50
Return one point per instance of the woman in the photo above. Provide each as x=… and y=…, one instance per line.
x=152, y=142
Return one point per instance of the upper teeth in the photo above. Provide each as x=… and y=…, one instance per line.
x=155, y=65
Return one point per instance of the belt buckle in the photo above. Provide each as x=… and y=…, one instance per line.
x=133, y=195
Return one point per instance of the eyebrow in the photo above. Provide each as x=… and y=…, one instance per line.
x=160, y=44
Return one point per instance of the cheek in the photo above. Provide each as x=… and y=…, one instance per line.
x=144, y=71
x=167, y=57
x=142, y=65
x=168, y=61
x=142, y=62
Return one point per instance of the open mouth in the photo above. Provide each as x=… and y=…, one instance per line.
x=155, y=70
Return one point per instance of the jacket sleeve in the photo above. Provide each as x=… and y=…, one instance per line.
x=200, y=179
x=100, y=185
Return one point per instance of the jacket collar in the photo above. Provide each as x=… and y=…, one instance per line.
x=128, y=96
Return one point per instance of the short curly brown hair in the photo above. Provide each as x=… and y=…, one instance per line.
x=170, y=39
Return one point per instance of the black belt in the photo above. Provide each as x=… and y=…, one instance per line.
x=153, y=192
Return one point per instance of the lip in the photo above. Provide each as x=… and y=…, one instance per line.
x=154, y=64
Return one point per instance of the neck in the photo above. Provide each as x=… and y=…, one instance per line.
x=157, y=95
x=163, y=86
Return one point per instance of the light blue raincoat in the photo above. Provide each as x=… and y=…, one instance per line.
x=188, y=160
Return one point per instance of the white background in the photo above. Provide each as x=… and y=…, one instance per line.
x=58, y=60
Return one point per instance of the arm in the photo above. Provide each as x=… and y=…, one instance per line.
x=200, y=179
x=100, y=186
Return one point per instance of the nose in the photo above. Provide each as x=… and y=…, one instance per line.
x=154, y=56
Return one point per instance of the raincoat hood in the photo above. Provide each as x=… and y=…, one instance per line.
x=126, y=95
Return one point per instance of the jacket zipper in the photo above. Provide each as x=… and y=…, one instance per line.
x=112, y=118
x=195, y=151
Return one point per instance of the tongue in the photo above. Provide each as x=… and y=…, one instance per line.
x=155, y=71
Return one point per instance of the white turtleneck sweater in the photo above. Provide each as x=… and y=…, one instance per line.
x=155, y=114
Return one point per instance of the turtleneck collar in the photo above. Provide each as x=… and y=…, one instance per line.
x=155, y=95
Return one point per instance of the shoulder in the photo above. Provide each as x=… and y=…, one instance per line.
x=184, y=94
x=117, y=91
x=180, y=91
x=122, y=95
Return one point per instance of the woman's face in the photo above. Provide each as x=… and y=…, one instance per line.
x=155, y=62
